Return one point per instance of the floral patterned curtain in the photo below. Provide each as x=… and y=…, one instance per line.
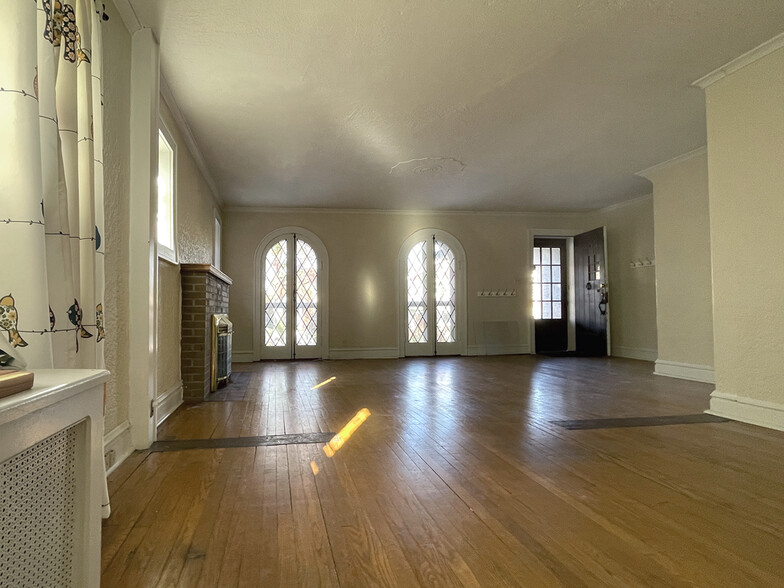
x=51, y=183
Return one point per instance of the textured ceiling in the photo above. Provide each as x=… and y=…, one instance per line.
x=445, y=104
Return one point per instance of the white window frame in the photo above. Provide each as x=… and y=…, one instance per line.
x=217, y=237
x=164, y=251
x=258, y=287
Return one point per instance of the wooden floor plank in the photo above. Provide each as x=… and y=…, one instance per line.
x=459, y=477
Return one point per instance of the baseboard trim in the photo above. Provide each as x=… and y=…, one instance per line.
x=747, y=410
x=118, y=440
x=498, y=349
x=634, y=353
x=685, y=371
x=165, y=404
x=363, y=353
x=242, y=356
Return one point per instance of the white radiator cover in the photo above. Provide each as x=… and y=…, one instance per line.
x=51, y=486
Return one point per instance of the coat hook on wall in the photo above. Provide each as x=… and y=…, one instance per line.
x=502, y=293
x=647, y=262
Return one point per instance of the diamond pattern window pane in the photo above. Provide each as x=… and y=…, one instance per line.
x=306, y=303
x=446, y=296
x=275, y=297
x=416, y=281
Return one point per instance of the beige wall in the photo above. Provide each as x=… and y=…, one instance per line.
x=196, y=208
x=684, y=308
x=632, y=291
x=196, y=204
x=363, y=259
x=169, y=318
x=116, y=159
x=746, y=177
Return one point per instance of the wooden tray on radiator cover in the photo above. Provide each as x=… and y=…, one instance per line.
x=13, y=381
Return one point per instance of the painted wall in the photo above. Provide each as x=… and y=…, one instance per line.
x=746, y=179
x=196, y=205
x=116, y=160
x=632, y=291
x=196, y=208
x=363, y=253
x=169, y=319
x=684, y=307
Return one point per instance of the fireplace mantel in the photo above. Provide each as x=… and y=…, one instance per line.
x=205, y=268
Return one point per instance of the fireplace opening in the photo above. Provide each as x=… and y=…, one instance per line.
x=220, y=372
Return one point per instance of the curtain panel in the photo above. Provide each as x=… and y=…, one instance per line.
x=51, y=184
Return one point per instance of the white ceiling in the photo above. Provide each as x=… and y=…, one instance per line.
x=522, y=105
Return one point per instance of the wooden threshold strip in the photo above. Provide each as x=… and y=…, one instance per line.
x=231, y=442
x=654, y=421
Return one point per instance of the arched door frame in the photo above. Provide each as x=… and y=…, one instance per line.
x=323, y=286
x=460, y=285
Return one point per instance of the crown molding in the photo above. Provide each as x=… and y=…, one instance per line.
x=190, y=140
x=747, y=58
x=646, y=173
x=128, y=15
x=623, y=204
x=274, y=210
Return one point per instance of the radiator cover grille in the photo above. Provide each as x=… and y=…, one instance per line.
x=38, y=513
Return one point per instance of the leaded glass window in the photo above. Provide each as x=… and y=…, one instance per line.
x=275, y=294
x=416, y=280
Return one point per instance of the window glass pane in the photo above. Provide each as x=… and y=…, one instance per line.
x=556, y=256
x=537, y=256
x=556, y=274
x=545, y=291
x=446, y=294
x=546, y=273
x=545, y=256
x=546, y=310
x=536, y=292
x=275, y=294
x=537, y=274
x=556, y=310
x=416, y=282
x=537, y=310
x=165, y=218
x=306, y=303
x=556, y=291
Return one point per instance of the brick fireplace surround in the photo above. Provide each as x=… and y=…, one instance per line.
x=205, y=291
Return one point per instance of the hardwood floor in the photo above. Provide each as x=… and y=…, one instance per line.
x=458, y=477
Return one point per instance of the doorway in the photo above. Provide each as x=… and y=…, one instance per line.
x=550, y=307
x=432, y=266
x=292, y=286
x=569, y=292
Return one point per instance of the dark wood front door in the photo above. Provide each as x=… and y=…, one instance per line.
x=551, y=323
x=591, y=298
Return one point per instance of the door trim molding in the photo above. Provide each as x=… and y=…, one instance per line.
x=460, y=285
x=323, y=286
x=528, y=268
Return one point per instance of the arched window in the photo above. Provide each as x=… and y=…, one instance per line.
x=432, y=268
x=291, y=293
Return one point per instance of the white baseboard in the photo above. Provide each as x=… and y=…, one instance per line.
x=747, y=410
x=634, y=353
x=363, y=353
x=499, y=349
x=118, y=440
x=242, y=356
x=165, y=404
x=684, y=371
